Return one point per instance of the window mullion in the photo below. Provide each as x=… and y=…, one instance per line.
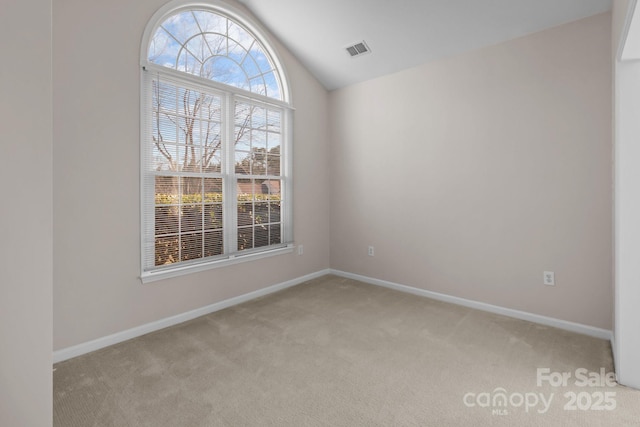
x=203, y=203
x=286, y=172
x=179, y=179
x=229, y=197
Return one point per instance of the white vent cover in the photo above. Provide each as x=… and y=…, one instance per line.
x=358, y=49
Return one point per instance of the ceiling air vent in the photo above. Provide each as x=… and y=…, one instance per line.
x=358, y=49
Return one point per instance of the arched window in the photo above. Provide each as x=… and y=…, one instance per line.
x=215, y=143
x=212, y=46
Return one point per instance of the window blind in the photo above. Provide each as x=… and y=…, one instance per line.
x=213, y=179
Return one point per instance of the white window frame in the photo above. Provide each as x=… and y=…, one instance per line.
x=229, y=94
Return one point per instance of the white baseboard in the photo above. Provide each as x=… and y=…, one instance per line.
x=97, y=344
x=87, y=347
x=522, y=315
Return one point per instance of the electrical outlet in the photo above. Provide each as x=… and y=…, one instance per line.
x=549, y=278
x=371, y=251
x=300, y=249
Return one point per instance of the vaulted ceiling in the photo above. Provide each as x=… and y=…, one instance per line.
x=404, y=33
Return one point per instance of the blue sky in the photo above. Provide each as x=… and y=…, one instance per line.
x=211, y=46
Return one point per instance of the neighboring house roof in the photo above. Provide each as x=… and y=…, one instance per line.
x=272, y=186
x=259, y=187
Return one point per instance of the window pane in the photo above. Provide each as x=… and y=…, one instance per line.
x=213, y=244
x=261, y=236
x=261, y=213
x=191, y=218
x=164, y=96
x=274, y=120
x=243, y=138
x=166, y=250
x=276, y=234
x=213, y=216
x=190, y=246
x=243, y=162
x=167, y=220
x=259, y=118
x=237, y=53
x=240, y=35
x=217, y=43
x=163, y=49
x=250, y=67
x=258, y=85
x=198, y=47
x=165, y=128
x=245, y=189
x=261, y=59
x=165, y=157
x=166, y=190
x=191, y=189
x=245, y=238
x=188, y=63
x=189, y=158
x=189, y=102
x=274, y=212
x=273, y=88
x=211, y=22
x=211, y=161
x=273, y=163
x=273, y=142
x=212, y=190
x=259, y=139
x=245, y=214
x=258, y=161
x=243, y=115
x=180, y=26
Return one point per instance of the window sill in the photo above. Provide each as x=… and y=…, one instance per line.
x=152, y=276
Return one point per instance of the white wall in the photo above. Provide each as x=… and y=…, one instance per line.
x=504, y=160
x=96, y=182
x=627, y=208
x=25, y=214
x=473, y=174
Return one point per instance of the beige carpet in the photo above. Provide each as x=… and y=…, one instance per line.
x=336, y=352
